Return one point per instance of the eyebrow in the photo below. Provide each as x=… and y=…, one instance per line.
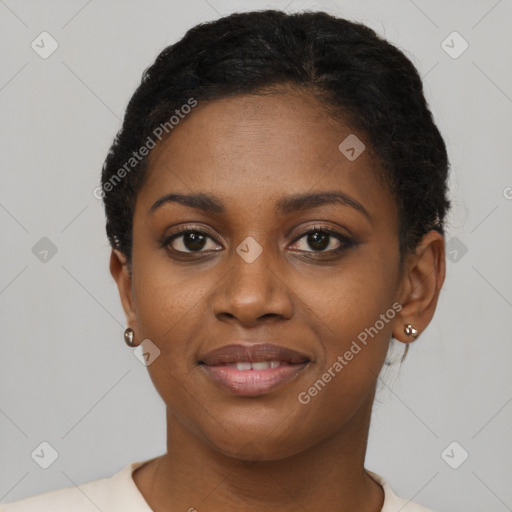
x=299, y=202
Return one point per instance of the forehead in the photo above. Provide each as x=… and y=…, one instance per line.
x=268, y=145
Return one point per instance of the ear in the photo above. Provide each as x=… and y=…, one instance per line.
x=422, y=279
x=121, y=273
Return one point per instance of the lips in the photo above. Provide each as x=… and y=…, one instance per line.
x=251, y=354
x=253, y=370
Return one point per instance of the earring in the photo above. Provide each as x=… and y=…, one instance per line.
x=410, y=330
x=128, y=337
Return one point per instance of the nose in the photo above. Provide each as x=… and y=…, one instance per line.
x=252, y=291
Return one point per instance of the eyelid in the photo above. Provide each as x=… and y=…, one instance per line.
x=324, y=229
x=187, y=228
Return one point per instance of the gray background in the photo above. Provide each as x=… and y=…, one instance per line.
x=66, y=376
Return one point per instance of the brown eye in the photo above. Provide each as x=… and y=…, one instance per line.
x=319, y=240
x=323, y=240
x=189, y=241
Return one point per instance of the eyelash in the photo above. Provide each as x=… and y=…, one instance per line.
x=345, y=241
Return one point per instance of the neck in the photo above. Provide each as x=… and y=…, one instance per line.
x=329, y=476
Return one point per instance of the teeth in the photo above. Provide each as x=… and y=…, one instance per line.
x=257, y=365
x=264, y=365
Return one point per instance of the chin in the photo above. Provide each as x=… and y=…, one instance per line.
x=259, y=441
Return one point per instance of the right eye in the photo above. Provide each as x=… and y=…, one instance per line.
x=188, y=241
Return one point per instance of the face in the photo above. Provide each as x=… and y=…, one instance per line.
x=291, y=244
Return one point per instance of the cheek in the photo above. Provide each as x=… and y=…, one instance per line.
x=165, y=293
x=354, y=312
x=352, y=297
x=355, y=341
x=168, y=313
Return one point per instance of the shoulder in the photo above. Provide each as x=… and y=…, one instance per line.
x=393, y=503
x=117, y=492
x=84, y=498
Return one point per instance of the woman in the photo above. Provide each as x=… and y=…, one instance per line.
x=275, y=203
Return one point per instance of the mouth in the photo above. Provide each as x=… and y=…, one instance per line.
x=253, y=370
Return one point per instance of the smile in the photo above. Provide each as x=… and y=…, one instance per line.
x=253, y=370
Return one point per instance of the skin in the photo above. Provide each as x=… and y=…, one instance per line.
x=269, y=452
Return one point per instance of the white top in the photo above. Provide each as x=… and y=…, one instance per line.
x=119, y=493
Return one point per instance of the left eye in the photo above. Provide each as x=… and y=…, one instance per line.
x=321, y=240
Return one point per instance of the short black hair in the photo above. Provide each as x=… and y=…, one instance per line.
x=359, y=77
